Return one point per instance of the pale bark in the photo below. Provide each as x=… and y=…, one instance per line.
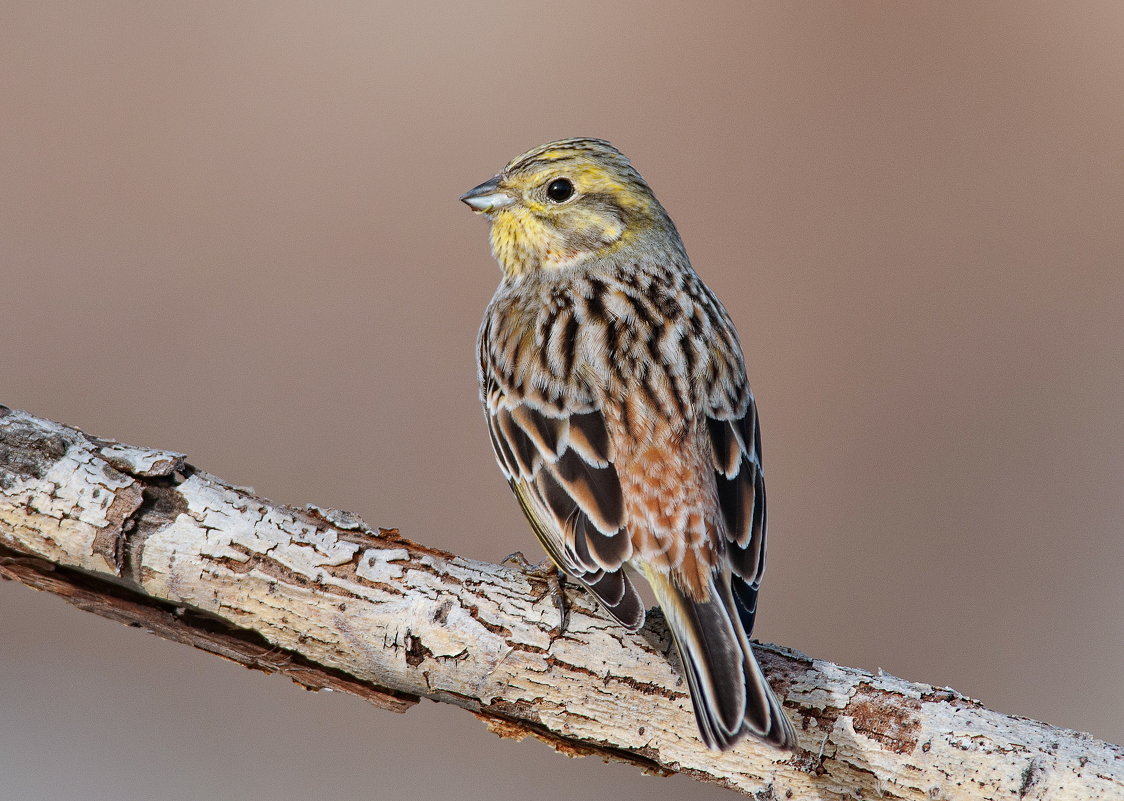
x=140, y=536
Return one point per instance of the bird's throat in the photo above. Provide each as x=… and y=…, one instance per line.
x=523, y=243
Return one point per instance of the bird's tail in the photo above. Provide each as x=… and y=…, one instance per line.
x=731, y=697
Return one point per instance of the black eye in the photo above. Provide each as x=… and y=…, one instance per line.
x=560, y=190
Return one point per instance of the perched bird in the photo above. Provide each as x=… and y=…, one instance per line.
x=616, y=398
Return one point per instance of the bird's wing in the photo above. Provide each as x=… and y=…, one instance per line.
x=560, y=466
x=735, y=437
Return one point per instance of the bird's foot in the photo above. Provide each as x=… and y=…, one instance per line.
x=548, y=573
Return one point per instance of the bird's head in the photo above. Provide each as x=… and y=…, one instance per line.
x=564, y=203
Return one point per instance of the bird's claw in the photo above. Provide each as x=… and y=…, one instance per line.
x=548, y=573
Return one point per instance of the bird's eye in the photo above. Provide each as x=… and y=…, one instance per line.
x=560, y=190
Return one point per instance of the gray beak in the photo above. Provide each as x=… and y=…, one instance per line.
x=487, y=197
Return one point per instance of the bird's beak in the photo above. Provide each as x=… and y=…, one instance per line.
x=487, y=197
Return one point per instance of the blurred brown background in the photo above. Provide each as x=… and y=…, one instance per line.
x=233, y=230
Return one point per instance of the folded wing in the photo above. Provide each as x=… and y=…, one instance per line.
x=560, y=466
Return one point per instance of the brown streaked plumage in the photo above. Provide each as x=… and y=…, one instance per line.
x=618, y=407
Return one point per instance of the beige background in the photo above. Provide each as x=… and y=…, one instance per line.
x=232, y=230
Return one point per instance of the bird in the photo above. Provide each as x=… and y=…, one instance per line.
x=615, y=392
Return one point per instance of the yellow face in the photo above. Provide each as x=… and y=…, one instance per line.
x=563, y=203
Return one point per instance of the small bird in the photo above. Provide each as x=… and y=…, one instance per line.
x=614, y=387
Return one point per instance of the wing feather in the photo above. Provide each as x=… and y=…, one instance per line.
x=590, y=438
x=523, y=450
x=559, y=467
x=736, y=451
x=504, y=455
x=597, y=490
x=547, y=433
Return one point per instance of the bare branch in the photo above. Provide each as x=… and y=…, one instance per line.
x=142, y=537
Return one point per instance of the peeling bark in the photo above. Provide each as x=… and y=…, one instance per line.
x=141, y=536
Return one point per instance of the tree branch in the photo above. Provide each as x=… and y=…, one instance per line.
x=142, y=537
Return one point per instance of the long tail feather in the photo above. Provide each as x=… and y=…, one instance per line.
x=731, y=696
